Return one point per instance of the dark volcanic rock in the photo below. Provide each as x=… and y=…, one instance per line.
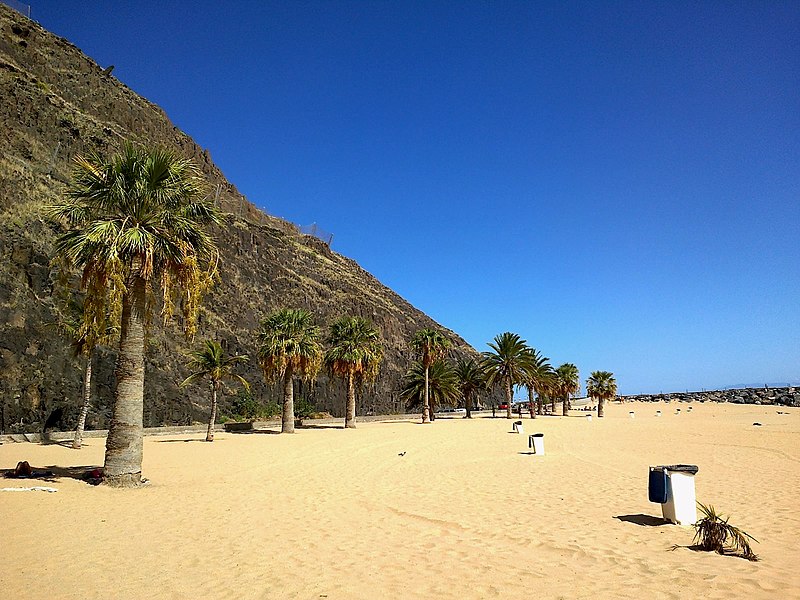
x=786, y=396
x=58, y=103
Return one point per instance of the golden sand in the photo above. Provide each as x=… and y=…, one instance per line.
x=466, y=512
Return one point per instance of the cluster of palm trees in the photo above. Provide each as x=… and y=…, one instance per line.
x=510, y=362
x=290, y=348
x=138, y=224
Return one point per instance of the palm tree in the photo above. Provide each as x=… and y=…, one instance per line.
x=85, y=337
x=429, y=345
x=471, y=379
x=439, y=380
x=549, y=389
x=506, y=364
x=537, y=374
x=603, y=386
x=567, y=382
x=210, y=361
x=354, y=354
x=136, y=224
x=288, y=347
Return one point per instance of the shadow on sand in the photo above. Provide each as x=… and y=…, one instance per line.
x=643, y=520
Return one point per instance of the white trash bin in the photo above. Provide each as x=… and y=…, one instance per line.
x=517, y=426
x=536, y=442
x=588, y=417
x=680, y=501
x=631, y=414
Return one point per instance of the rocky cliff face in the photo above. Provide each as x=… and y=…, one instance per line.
x=56, y=104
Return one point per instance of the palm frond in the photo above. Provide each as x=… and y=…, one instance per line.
x=429, y=345
x=714, y=533
x=355, y=350
x=442, y=382
x=140, y=212
x=289, y=338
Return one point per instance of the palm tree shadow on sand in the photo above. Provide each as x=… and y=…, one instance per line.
x=643, y=520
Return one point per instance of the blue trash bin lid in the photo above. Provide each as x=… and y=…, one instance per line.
x=657, y=485
x=682, y=468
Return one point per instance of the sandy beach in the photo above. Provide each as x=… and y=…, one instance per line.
x=465, y=512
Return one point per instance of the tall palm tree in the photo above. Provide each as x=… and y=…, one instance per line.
x=136, y=224
x=429, y=345
x=471, y=379
x=354, y=354
x=568, y=382
x=288, y=347
x=210, y=361
x=506, y=363
x=439, y=380
x=537, y=374
x=549, y=390
x=85, y=337
x=603, y=386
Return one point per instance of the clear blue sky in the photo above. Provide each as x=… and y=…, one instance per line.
x=618, y=182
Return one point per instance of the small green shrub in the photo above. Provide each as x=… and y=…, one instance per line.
x=245, y=407
x=271, y=409
x=304, y=408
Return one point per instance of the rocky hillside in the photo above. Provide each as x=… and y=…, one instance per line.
x=58, y=103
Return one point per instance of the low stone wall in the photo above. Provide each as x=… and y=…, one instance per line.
x=64, y=436
x=786, y=396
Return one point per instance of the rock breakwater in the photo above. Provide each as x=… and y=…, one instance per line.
x=783, y=396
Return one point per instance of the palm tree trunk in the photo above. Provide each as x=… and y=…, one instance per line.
x=509, y=399
x=350, y=412
x=123, y=460
x=565, y=405
x=600, y=403
x=210, y=432
x=468, y=404
x=287, y=418
x=426, y=408
x=87, y=396
x=531, y=403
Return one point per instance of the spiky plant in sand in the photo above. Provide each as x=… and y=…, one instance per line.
x=429, y=345
x=603, y=386
x=136, y=224
x=714, y=533
x=568, y=383
x=471, y=379
x=439, y=379
x=537, y=374
x=289, y=347
x=84, y=338
x=506, y=364
x=354, y=354
x=210, y=361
